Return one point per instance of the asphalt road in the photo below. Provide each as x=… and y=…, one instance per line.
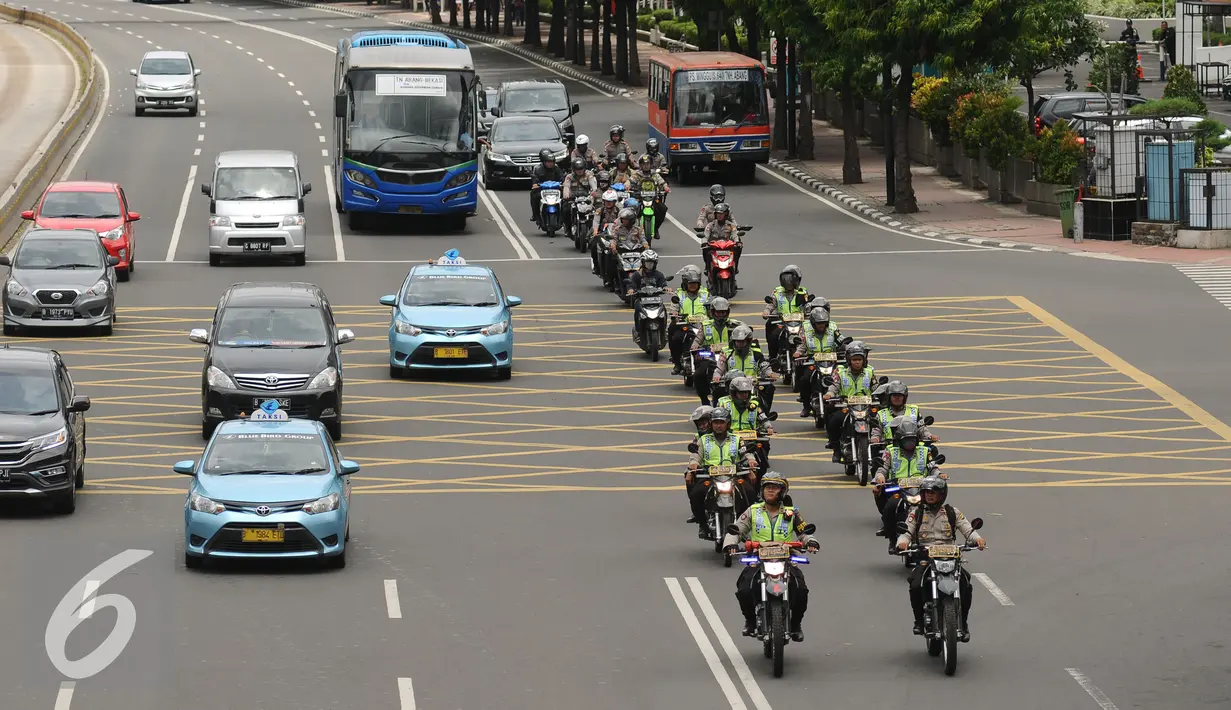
x=521, y=544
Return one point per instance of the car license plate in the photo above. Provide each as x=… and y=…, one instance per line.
x=58, y=313
x=453, y=353
x=722, y=158
x=258, y=401
x=4, y=475
x=164, y=103
x=258, y=246
x=263, y=535
x=410, y=209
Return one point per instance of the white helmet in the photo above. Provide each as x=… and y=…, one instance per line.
x=583, y=140
x=611, y=196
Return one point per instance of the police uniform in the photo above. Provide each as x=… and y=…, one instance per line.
x=710, y=337
x=707, y=216
x=613, y=148
x=888, y=414
x=785, y=303
x=688, y=306
x=930, y=525
x=726, y=230
x=812, y=343
x=847, y=384
x=714, y=452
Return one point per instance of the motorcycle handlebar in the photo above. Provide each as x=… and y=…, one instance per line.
x=751, y=545
x=915, y=549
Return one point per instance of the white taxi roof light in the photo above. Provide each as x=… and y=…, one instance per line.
x=452, y=257
x=269, y=411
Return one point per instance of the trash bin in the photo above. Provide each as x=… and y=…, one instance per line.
x=1066, y=196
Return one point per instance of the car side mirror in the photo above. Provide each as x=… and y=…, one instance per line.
x=939, y=460
x=27, y=214
x=187, y=468
x=197, y=73
x=199, y=335
x=512, y=301
x=207, y=190
x=733, y=529
x=883, y=380
x=80, y=403
x=132, y=71
x=929, y=420
x=977, y=523
x=772, y=416
x=345, y=335
x=576, y=109
x=113, y=261
x=348, y=468
x=769, y=300
x=390, y=301
x=809, y=528
x=307, y=188
x=692, y=448
x=134, y=216
x=340, y=105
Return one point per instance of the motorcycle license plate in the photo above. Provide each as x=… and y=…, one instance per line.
x=861, y=399
x=723, y=470
x=793, y=317
x=696, y=320
x=826, y=357
x=722, y=158
x=449, y=353
x=943, y=552
x=773, y=551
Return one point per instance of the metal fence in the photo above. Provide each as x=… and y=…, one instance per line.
x=1205, y=198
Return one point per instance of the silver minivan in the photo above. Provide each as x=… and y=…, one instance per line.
x=256, y=204
x=167, y=81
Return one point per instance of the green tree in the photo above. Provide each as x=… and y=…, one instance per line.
x=1054, y=34
x=1182, y=85
x=1117, y=62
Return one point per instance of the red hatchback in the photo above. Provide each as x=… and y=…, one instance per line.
x=99, y=206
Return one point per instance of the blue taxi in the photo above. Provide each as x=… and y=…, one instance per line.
x=451, y=315
x=268, y=487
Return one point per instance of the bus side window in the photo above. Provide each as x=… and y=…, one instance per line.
x=654, y=80
x=664, y=85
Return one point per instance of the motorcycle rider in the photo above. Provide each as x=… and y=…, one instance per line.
x=646, y=172
x=701, y=420
x=616, y=145
x=602, y=181
x=546, y=171
x=657, y=159
x=714, y=335
x=692, y=302
x=647, y=275
x=856, y=377
x=581, y=149
x=935, y=522
x=789, y=298
x=744, y=357
x=822, y=336
x=719, y=447
x=578, y=182
x=621, y=172
x=771, y=521
x=721, y=228
x=606, y=215
x=718, y=195
x=904, y=458
x=896, y=395
x=627, y=236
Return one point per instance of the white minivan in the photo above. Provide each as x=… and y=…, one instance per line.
x=256, y=206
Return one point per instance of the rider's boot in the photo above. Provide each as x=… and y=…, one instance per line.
x=750, y=626
x=797, y=631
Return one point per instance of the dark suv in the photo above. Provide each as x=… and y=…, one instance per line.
x=538, y=97
x=272, y=341
x=1050, y=108
x=42, y=428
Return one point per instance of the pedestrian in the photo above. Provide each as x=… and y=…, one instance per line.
x=519, y=12
x=1166, y=41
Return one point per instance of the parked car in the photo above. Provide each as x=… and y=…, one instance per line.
x=1050, y=108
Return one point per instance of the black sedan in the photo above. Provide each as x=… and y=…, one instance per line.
x=511, y=150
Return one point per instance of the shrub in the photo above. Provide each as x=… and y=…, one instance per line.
x=1168, y=108
x=682, y=30
x=1057, y=153
x=934, y=101
x=989, y=124
x=646, y=22
x=1182, y=85
x=663, y=15
x=1121, y=60
x=1129, y=8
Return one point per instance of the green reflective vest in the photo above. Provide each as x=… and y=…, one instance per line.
x=903, y=466
x=884, y=416
x=828, y=343
x=714, y=336
x=692, y=306
x=714, y=453
x=786, y=304
x=747, y=364
x=745, y=420
x=850, y=386
x=765, y=529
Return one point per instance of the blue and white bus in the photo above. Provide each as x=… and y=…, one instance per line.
x=405, y=116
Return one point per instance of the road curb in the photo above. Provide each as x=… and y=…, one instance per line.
x=51, y=154
x=514, y=47
x=897, y=222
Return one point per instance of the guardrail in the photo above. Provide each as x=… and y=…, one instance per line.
x=45, y=165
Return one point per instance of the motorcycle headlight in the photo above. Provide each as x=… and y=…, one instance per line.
x=323, y=505
x=217, y=221
x=405, y=328
x=293, y=220
x=327, y=378
x=913, y=500
x=218, y=378
x=50, y=441
x=15, y=289
x=945, y=566
x=100, y=288
x=773, y=569
x=360, y=178
x=724, y=486
x=201, y=504
x=496, y=328
x=551, y=198
x=859, y=413
x=112, y=233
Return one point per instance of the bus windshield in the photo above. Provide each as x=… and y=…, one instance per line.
x=403, y=119
x=719, y=97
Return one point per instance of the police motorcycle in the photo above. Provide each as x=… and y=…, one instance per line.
x=629, y=264
x=650, y=197
x=551, y=218
x=854, y=445
x=651, y=314
x=820, y=368
x=879, y=447
x=774, y=609
x=942, y=605
x=583, y=221
x=790, y=335
x=720, y=278
x=690, y=326
x=904, y=494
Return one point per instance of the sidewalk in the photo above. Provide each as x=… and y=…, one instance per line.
x=38, y=79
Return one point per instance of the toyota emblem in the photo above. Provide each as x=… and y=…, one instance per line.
x=262, y=510
x=450, y=332
x=271, y=379
x=57, y=295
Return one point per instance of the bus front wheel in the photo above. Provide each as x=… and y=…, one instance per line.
x=356, y=220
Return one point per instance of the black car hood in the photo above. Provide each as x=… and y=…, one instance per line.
x=559, y=114
x=20, y=427
x=289, y=361
x=520, y=148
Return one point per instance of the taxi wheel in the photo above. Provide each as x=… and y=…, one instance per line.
x=337, y=561
x=395, y=372
x=193, y=561
x=504, y=373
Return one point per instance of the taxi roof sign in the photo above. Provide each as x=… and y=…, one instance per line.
x=269, y=412
x=452, y=257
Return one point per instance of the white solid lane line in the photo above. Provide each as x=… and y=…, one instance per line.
x=72, y=163
x=392, y=604
x=179, y=218
x=334, y=219
x=685, y=229
x=87, y=606
x=487, y=202
x=406, y=693
x=703, y=643
x=496, y=205
x=1091, y=689
x=993, y=589
x=64, y=698
x=728, y=645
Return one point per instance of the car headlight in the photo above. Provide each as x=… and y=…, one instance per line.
x=15, y=289
x=360, y=178
x=218, y=378
x=945, y=566
x=100, y=288
x=142, y=85
x=50, y=441
x=567, y=123
x=561, y=155
x=112, y=233
x=404, y=327
x=499, y=157
x=325, y=379
x=323, y=505
x=181, y=87
x=460, y=179
x=293, y=220
x=496, y=328
x=217, y=221
x=773, y=569
x=201, y=504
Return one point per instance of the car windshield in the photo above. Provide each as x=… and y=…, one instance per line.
x=28, y=393
x=165, y=67
x=410, y=120
x=266, y=452
x=256, y=184
x=547, y=98
x=720, y=97
x=80, y=205
x=59, y=254
x=244, y=327
x=514, y=131
x=445, y=289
